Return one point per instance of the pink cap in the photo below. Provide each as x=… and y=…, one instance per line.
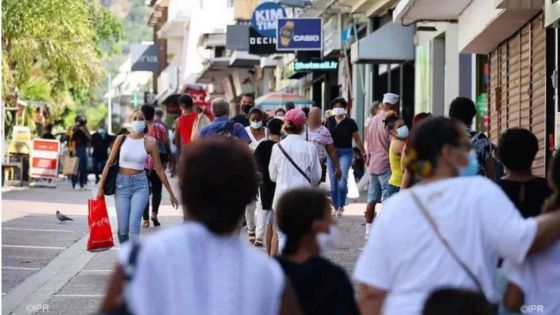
x=295, y=116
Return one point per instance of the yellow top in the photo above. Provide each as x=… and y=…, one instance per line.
x=395, y=162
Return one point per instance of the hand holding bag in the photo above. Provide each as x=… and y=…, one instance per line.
x=100, y=234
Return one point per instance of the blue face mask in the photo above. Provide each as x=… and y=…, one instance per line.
x=138, y=126
x=402, y=132
x=471, y=169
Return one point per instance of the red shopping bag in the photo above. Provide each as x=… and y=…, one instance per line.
x=100, y=234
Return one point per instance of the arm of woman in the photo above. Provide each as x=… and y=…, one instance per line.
x=398, y=148
x=112, y=157
x=114, y=291
x=151, y=148
x=273, y=166
x=359, y=143
x=371, y=299
x=513, y=297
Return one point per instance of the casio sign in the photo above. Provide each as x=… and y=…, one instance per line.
x=306, y=38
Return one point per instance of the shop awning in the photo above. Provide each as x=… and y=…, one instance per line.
x=392, y=43
x=215, y=70
x=411, y=11
x=243, y=59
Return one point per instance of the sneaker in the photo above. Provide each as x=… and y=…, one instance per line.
x=339, y=212
x=366, y=236
x=77, y=188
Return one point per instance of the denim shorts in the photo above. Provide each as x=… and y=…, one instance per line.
x=377, y=189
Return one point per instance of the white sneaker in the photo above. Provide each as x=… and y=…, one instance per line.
x=339, y=212
x=77, y=188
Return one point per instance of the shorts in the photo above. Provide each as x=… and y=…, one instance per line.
x=377, y=189
x=391, y=190
x=268, y=217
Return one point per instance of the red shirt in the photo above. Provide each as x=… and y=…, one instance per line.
x=185, y=126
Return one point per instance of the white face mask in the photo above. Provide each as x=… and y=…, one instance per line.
x=339, y=111
x=281, y=117
x=329, y=241
x=138, y=126
x=256, y=124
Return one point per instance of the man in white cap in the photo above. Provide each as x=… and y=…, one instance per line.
x=378, y=141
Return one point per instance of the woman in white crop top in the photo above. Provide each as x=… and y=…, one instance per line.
x=132, y=188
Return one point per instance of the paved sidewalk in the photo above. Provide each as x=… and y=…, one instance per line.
x=45, y=266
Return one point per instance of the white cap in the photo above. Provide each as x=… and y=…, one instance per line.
x=390, y=98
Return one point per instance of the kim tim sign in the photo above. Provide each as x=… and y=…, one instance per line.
x=299, y=34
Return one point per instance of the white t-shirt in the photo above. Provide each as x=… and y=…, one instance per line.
x=189, y=270
x=539, y=279
x=404, y=256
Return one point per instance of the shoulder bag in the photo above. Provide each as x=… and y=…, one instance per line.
x=294, y=163
x=446, y=244
x=111, y=181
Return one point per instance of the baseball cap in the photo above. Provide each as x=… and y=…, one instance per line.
x=390, y=98
x=296, y=116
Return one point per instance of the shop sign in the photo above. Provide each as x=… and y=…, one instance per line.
x=299, y=34
x=332, y=35
x=44, y=158
x=347, y=34
x=315, y=65
x=144, y=57
x=288, y=70
x=261, y=45
x=265, y=18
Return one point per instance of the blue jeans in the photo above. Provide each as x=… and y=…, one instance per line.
x=339, y=188
x=81, y=177
x=131, y=197
x=391, y=190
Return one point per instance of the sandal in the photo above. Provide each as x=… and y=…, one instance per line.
x=146, y=223
x=155, y=220
x=258, y=243
x=252, y=236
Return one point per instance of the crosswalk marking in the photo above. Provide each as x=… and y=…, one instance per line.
x=19, y=268
x=34, y=247
x=36, y=230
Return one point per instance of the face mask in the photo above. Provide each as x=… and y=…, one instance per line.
x=101, y=131
x=138, y=126
x=471, y=169
x=328, y=241
x=280, y=117
x=339, y=111
x=256, y=124
x=402, y=132
x=246, y=108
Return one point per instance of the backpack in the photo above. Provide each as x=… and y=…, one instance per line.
x=162, y=150
x=227, y=131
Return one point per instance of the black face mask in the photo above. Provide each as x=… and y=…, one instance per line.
x=246, y=108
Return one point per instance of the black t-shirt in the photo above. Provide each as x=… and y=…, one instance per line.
x=262, y=156
x=342, y=133
x=529, y=196
x=49, y=136
x=101, y=145
x=322, y=288
x=79, y=137
x=241, y=119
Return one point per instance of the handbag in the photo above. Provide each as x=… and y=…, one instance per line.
x=71, y=164
x=433, y=225
x=294, y=164
x=111, y=180
x=100, y=235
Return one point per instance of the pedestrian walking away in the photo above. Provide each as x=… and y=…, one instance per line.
x=398, y=131
x=160, y=135
x=81, y=138
x=453, y=224
x=322, y=288
x=517, y=149
x=221, y=126
x=100, y=142
x=343, y=130
x=378, y=140
x=321, y=137
x=535, y=281
x=407, y=180
x=209, y=269
x=132, y=187
x=267, y=187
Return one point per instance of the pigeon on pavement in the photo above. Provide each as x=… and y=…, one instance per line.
x=61, y=217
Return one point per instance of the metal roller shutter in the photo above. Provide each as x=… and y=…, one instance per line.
x=517, y=86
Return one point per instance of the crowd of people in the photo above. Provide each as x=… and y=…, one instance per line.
x=455, y=235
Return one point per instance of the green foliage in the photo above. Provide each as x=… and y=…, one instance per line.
x=53, y=51
x=96, y=115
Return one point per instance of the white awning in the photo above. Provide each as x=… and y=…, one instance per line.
x=243, y=59
x=214, y=71
x=411, y=11
x=392, y=43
